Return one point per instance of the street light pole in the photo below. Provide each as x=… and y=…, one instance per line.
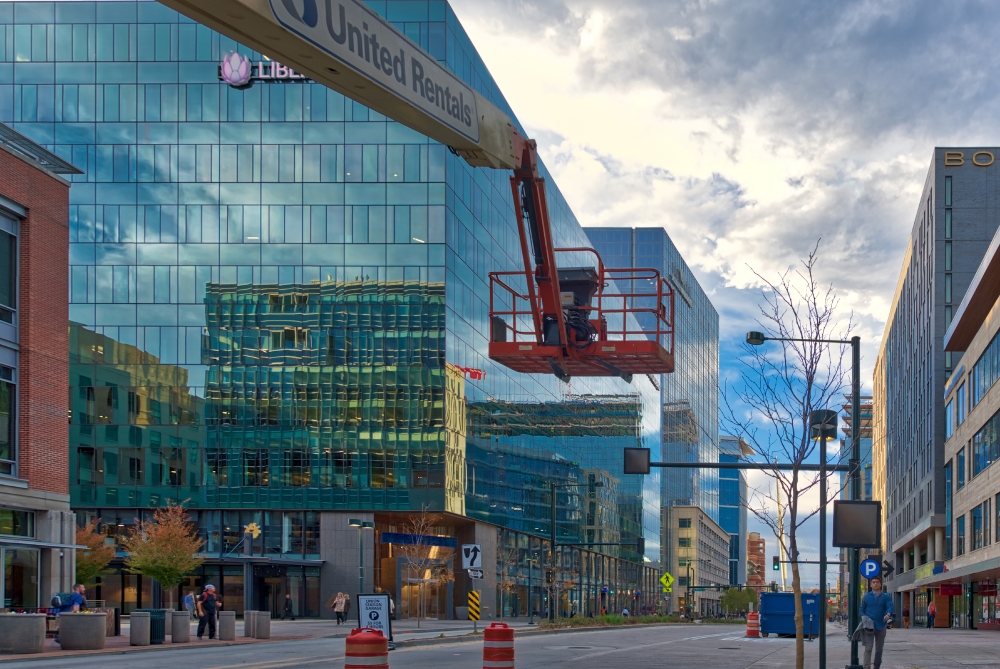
x=552, y=510
x=362, y=525
x=854, y=562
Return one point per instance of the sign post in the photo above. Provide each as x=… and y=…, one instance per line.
x=374, y=612
x=474, y=609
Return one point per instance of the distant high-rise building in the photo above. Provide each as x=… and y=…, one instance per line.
x=956, y=217
x=756, y=552
x=690, y=395
x=733, y=505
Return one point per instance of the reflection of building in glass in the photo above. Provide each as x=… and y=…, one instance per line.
x=689, y=396
x=733, y=505
x=576, y=442
x=292, y=292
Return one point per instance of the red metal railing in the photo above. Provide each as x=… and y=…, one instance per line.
x=642, y=293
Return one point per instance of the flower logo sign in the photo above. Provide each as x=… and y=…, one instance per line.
x=235, y=70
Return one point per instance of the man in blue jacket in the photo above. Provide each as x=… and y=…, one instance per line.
x=877, y=605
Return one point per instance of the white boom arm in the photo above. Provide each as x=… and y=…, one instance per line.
x=349, y=48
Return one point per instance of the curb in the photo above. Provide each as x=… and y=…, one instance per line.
x=129, y=650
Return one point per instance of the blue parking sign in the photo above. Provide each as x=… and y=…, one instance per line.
x=870, y=568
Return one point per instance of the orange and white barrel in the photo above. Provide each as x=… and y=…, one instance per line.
x=498, y=647
x=366, y=649
x=753, y=625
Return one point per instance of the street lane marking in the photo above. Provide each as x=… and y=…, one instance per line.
x=277, y=664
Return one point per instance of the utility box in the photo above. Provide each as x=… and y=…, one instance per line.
x=777, y=614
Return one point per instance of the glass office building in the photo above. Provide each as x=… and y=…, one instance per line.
x=279, y=313
x=689, y=396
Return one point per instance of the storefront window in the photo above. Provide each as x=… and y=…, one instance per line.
x=20, y=577
x=14, y=523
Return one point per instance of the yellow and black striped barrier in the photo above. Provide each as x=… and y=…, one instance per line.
x=473, y=605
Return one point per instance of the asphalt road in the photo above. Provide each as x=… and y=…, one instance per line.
x=662, y=647
x=667, y=646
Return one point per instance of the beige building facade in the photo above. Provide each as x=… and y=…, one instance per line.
x=700, y=560
x=971, y=552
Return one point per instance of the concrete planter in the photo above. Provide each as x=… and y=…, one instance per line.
x=180, y=627
x=249, y=620
x=82, y=631
x=227, y=625
x=262, y=625
x=138, y=632
x=22, y=633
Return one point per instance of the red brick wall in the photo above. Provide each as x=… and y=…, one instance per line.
x=43, y=314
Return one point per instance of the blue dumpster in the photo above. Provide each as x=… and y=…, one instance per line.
x=777, y=614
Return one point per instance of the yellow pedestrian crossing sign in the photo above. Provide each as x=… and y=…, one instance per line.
x=666, y=581
x=473, y=605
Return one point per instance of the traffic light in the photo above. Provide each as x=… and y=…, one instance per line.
x=640, y=545
x=774, y=564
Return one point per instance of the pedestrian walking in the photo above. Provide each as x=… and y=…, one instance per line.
x=876, y=605
x=189, y=605
x=931, y=613
x=906, y=616
x=287, y=611
x=338, y=607
x=208, y=608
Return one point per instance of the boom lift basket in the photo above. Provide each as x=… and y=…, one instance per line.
x=608, y=332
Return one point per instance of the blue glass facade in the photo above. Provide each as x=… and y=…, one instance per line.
x=690, y=396
x=733, y=507
x=279, y=297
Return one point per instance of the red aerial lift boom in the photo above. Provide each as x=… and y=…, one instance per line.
x=584, y=320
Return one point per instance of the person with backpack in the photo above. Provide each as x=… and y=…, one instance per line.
x=876, y=605
x=208, y=606
x=931, y=612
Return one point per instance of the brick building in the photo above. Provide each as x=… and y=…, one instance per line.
x=756, y=576
x=36, y=525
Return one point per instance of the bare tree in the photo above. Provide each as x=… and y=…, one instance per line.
x=427, y=564
x=781, y=385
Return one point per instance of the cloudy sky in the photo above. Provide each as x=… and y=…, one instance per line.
x=750, y=129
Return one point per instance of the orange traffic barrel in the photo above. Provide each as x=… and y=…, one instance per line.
x=753, y=625
x=366, y=649
x=498, y=647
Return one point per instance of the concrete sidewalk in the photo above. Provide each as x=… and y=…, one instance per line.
x=281, y=630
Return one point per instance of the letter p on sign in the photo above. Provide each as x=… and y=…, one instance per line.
x=870, y=568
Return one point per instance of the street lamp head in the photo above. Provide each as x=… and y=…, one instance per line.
x=756, y=338
x=368, y=525
x=354, y=522
x=823, y=425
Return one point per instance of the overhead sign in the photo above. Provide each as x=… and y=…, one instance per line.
x=472, y=556
x=475, y=573
x=870, y=568
x=473, y=605
x=666, y=581
x=857, y=524
x=361, y=40
x=375, y=612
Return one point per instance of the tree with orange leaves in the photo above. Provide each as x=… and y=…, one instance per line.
x=164, y=547
x=93, y=560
